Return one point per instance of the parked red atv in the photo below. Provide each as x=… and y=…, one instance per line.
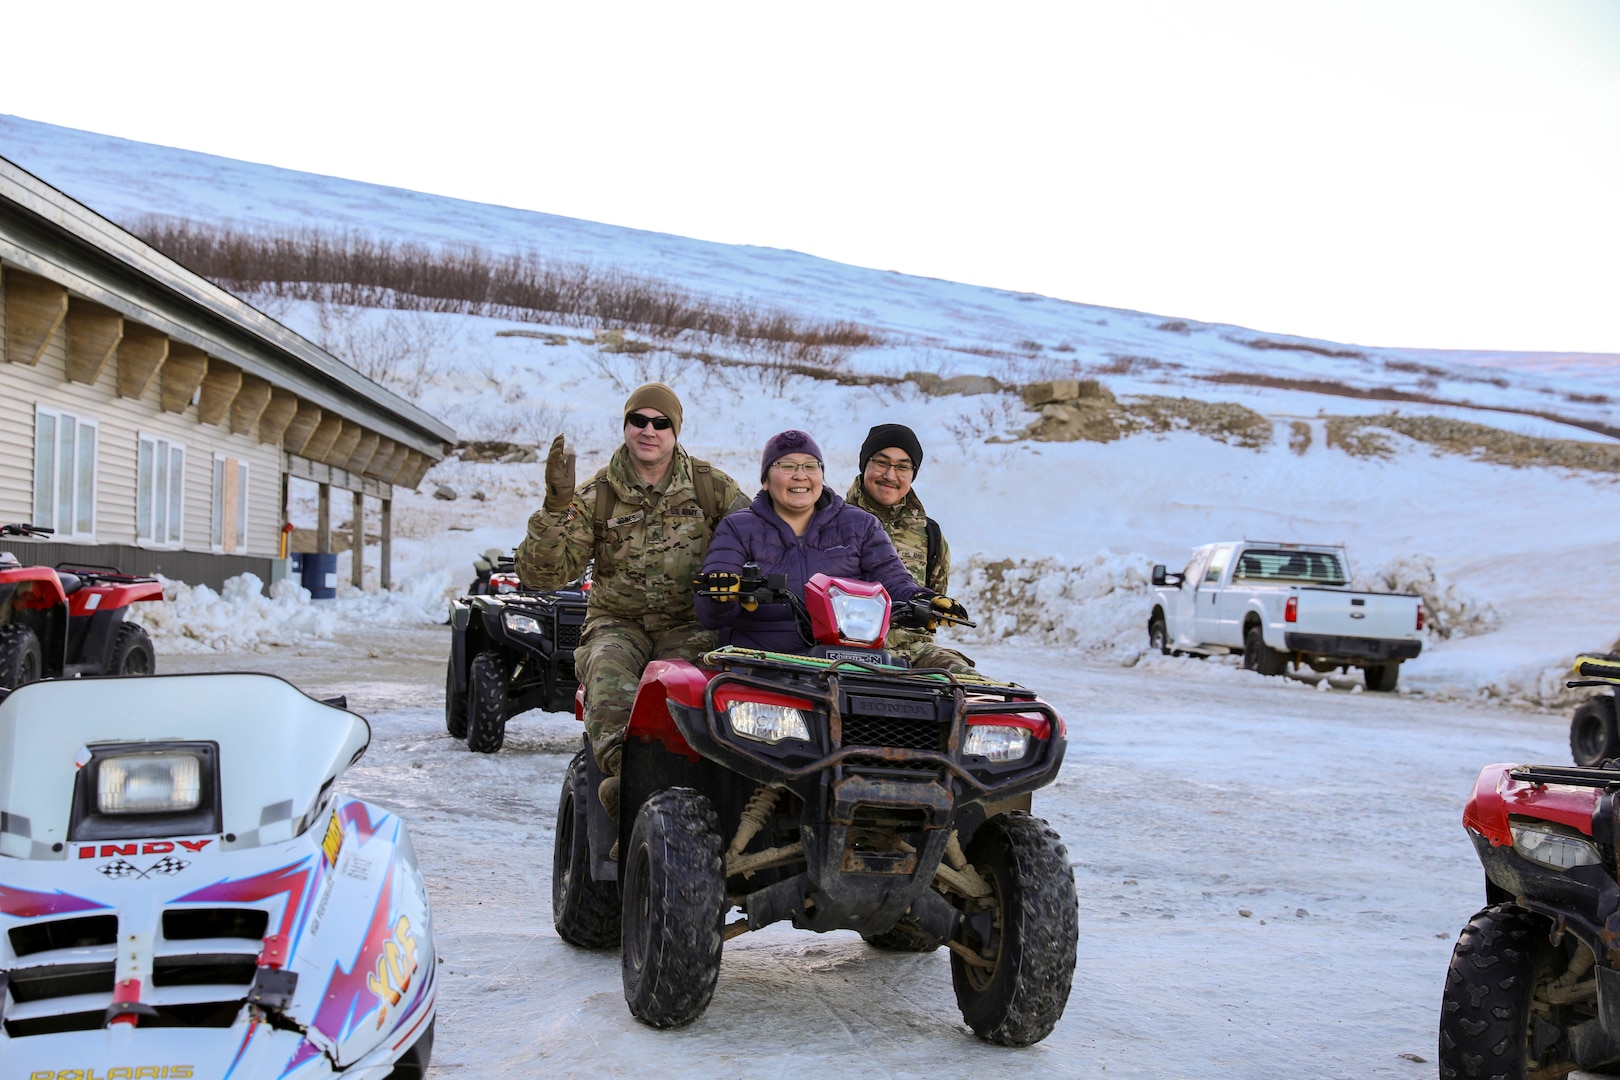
x=69, y=620
x=1534, y=985
x=839, y=790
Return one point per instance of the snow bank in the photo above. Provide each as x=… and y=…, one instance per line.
x=1098, y=607
x=241, y=618
x=1448, y=612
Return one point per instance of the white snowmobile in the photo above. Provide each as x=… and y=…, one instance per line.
x=184, y=895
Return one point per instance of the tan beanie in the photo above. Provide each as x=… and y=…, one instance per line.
x=655, y=395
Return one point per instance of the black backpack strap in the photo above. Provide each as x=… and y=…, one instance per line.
x=600, y=516
x=935, y=542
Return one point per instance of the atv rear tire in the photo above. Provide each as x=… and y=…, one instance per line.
x=21, y=661
x=898, y=939
x=1158, y=637
x=1487, y=1024
x=1028, y=935
x=674, y=904
x=455, y=705
x=1258, y=656
x=486, y=703
x=1592, y=735
x=1382, y=677
x=132, y=652
x=585, y=911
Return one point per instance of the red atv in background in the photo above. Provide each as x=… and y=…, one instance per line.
x=839, y=790
x=69, y=620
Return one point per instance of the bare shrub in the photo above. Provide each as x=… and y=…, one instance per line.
x=401, y=350
x=993, y=415
x=1302, y=346
x=1299, y=436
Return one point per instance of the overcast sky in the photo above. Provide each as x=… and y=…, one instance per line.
x=1440, y=173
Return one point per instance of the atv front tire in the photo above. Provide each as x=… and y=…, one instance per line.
x=1258, y=656
x=21, y=661
x=486, y=703
x=132, y=652
x=1382, y=677
x=1592, y=735
x=1491, y=1023
x=1026, y=938
x=455, y=705
x=585, y=911
x=674, y=904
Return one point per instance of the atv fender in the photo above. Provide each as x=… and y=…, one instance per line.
x=99, y=598
x=664, y=681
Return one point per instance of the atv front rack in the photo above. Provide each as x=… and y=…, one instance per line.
x=1568, y=775
x=731, y=654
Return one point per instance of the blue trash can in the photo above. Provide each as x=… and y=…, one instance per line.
x=318, y=574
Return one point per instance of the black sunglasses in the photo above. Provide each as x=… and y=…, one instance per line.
x=659, y=423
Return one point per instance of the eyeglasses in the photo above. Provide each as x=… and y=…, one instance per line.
x=901, y=469
x=659, y=423
x=788, y=468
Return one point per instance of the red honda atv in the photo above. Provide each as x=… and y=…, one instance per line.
x=1534, y=985
x=839, y=790
x=69, y=620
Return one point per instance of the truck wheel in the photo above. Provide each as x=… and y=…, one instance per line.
x=898, y=939
x=1592, y=736
x=1257, y=656
x=455, y=705
x=674, y=904
x=1492, y=1022
x=1157, y=638
x=1382, y=677
x=486, y=703
x=584, y=911
x=21, y=662
x=132, y=652
x=1027, y=935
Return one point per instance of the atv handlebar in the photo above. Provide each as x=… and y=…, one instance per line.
x=760, y=588
x=918, y=612
x=24, y=529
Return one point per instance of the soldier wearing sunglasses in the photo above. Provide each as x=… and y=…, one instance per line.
x=890, y=459
x=646, y=518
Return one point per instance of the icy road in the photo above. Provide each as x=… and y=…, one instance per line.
x=1271, y=878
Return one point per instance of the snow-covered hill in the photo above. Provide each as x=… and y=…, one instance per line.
x=1528, y=544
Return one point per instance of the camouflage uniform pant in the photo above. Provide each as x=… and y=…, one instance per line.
x=921, y=651
x=611, y=655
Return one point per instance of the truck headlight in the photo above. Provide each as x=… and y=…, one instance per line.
x=521, y=624
x=148, y=784
x=996, y=742
x=1556, y=846
x=768, y=723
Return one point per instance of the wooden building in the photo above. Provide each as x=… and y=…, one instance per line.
x=153, y=419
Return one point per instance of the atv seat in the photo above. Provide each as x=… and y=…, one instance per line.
x=71, y=583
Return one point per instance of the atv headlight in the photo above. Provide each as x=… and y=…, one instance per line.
x=521, y=624
x=148, y=784
x=860, y=618
x=997, y=742
x=768, y=723
x=1555, y=846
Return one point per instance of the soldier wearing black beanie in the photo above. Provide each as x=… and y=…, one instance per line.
x=887, y=435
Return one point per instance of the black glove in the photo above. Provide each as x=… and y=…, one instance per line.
x=559, y=477
x=718, y=585
x=951, y=612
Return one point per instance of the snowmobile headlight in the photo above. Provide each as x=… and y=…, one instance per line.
x=1555, y=846
x=768, y=723
x=860, y=618
x=521, y=624
x=148, y=784
x=997, y=742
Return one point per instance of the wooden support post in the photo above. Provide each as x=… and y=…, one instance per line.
x=93, y=334
x=219, y=389
x=323, y=519
x=344, y=444
x=361, y=455
x=357, y=566
x=277, y=416
x=250, y=404
x=385, y=573
x=183, y=372
x=35, y=310
x=140, y=354
x=320, y=440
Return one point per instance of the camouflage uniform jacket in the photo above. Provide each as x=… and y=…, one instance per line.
x=907, y=526
x=653, y=544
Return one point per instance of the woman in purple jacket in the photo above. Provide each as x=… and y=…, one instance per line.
x=798, y=528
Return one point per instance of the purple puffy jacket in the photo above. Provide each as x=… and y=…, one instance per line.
x=841, y=541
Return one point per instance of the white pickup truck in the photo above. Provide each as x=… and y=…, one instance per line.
x=1276, y=603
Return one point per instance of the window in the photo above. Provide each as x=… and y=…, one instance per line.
x=64, y=473
x=1217, y=565
x=230, y=503
x=1314, y=567
x=160, y=480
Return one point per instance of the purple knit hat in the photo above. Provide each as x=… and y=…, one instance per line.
x=788, y=442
